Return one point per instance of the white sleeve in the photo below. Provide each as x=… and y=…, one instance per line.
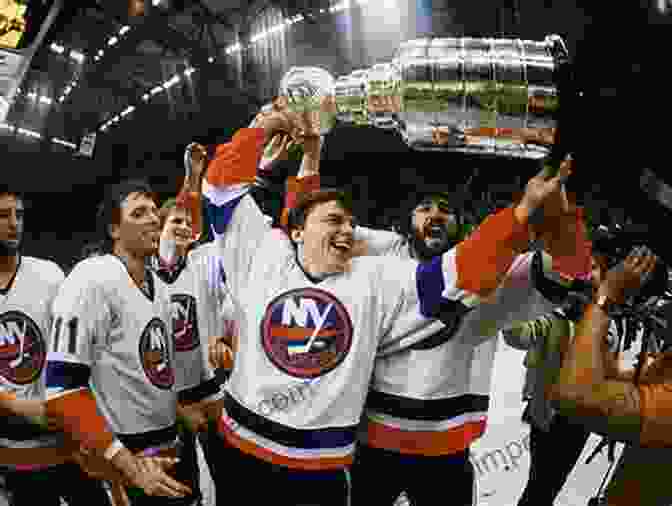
x=403, y=323
x=239, y=228
x=81, y=318
x=377, y=242
x=81, y=321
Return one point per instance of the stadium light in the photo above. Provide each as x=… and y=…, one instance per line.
x=29, y=133
x=77, y=56
x=171, y=82
x=56, y=140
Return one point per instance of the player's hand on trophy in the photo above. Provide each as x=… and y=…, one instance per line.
x=545, y=188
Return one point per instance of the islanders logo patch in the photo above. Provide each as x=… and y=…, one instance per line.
x=155, y=355
x=306, y=332
x=23, y=350
x=185, y=328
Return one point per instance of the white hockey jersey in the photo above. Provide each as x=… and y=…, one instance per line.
x=25, y=319
x=306, y=350
x=114, y=339
x=432, y=398
x=197, y=296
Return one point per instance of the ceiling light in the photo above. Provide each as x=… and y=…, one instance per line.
x=32, y=95
x=29, y=133
x=155, y=90
x=112, y=41
x=211, y=59
x=101, y=52
x=77, y=56
x=56, y=48
x=145, y=97
x=124, y=29
x=127, y=111
x=189, y=71
x=63, y=143
x=171, y=82
x=45, y=100
x=156, y=2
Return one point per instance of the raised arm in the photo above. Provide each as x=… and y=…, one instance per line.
x=640, y=414
x=448, y=285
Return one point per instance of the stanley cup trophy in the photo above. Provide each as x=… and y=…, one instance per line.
x=478, y=95
x=470, y=95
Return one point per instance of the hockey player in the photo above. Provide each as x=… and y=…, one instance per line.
x=196, y=298
x=111, y=373
x=312, y=319
x=429, y=402
x=395, y=427
x=35, y=462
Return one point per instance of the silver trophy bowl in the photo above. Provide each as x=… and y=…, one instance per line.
x=477, y=95
x=311, y=90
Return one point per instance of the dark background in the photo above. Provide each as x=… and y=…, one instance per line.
x=617, y=127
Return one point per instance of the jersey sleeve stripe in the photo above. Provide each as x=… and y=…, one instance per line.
x=67, y=375
x=476, y=268
x=236, y=162
x=565, y=240
x=79, y=416
x=219, y=216
x=482, y=261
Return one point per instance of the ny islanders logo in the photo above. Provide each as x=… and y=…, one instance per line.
x=23, y=351
x=185, y=329
x=155, y=355
x=306, y=332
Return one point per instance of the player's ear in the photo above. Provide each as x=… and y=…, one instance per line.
x=113, y=231
x=297, y=235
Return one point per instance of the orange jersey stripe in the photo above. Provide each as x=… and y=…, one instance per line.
x=299, y=333
x=7, y=396
x=248, y=447
x=427, y=443
x=79, y=415
x=236, y=162
x=566, y=241
x=495, y=243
